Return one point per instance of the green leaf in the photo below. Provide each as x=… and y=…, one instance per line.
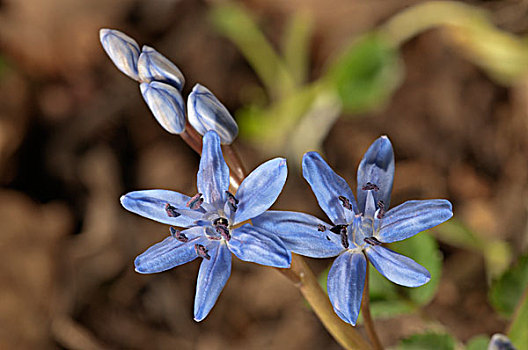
x=518, y=332
x=480, y=342
x=390, y=308
x=296, y=45
x=366, y=74
x=237, y=24
x=423, y=249
x=428, y=341
x=506, y=292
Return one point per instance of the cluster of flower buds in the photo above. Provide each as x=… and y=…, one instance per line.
x=161, y=84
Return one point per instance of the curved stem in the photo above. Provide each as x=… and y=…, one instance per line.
x=299, y=273
x=304, y=279
x=367, y=318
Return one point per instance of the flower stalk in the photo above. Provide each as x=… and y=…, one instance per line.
x=367, y=318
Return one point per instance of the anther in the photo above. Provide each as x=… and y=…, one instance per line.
x=342, y=231
x=370, y=186
x=178, y=235
x=345, y=202
x=195, y=202
x=201, y=251
x=171, y=211
x=221, y=228
x=321, y=228
x=233, y=202
x=372, y=241
x=381, y=210
x=339, y=229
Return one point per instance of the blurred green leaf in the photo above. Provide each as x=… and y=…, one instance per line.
x=518, y=330
x=296, y=45
x=506, y=291
x=502, y=55
x=390, y=308
x=381, y=289
x=480, y=342
x=428, y=341
x=237, y=24
x=366, y=74
x=497, y=253
x=423, y=249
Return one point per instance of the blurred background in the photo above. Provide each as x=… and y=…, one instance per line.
x=447, y=82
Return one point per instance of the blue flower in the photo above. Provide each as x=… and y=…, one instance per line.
x=358, y=231
x=214, y=223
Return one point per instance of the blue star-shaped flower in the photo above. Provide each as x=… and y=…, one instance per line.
x=357, y=230
x=214, y=223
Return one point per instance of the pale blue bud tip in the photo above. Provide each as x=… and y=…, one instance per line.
x=166, y=104
x=122, y=50
x=206, y=112
x=153, y=66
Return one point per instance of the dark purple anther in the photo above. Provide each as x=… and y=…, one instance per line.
x=370, y=186
x=195, y=202
x=381, y=212
x=345, y=202
x=233, y=202
x=171, y=211
x=342, y=231
x=221, y=228
x=372, y=241
x=178, y=235
x=201, y=251
x=321, y=228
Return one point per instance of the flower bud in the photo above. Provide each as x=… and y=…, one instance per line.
x=154, y=66
x=166, y=103
x=206, y=112
x=122, y=50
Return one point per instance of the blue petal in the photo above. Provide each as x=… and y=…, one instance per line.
x=212, y=278
x=170, y=252
x=300, y=233
x=412, y=217
x=206, y=112
x=346, y=280
x=327, y=187
x=397, y=268
x=255, y=244
x=213, y=176
x=166, y=104
x=260, y=189
x=376, y=167
x=152, y=204
x=154, y=66
x=122, y=50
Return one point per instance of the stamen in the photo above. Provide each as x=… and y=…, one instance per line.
x=195, y=202
x=171, y=211
x=345, y=202
x=338, y=229
x=372, y=241
x=178, y=235
x=370, y=186
x=201, y=251
x=321, y=228
x=233, y=202
x=342, y=231
x=381, y=210
x=221, y=228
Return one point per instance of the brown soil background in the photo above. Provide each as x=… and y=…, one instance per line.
x=75, y=135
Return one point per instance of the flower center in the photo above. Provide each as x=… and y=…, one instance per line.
x=221, y=226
